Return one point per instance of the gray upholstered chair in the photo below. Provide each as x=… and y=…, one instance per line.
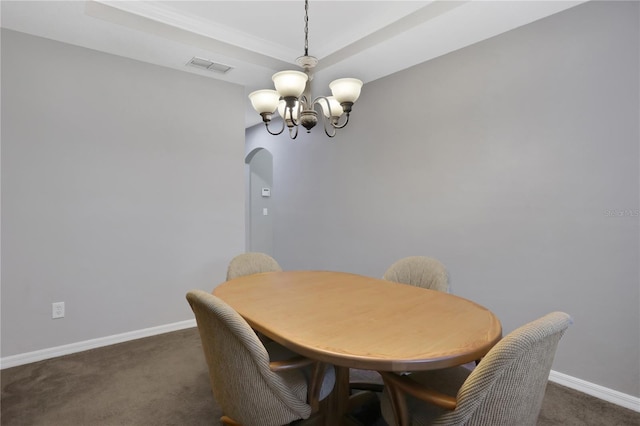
x=419, y=271
x=255, y=387
x=505, y=389
x=251, y=263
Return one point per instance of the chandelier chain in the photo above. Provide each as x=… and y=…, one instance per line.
x=306, y=27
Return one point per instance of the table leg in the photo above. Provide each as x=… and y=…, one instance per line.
x=337, y=403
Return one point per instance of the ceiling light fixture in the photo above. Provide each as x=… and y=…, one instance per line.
x=292, y=97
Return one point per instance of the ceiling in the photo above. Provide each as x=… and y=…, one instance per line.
x=362, y=39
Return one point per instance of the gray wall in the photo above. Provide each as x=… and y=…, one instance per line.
x=122, y=188
x=514, y=161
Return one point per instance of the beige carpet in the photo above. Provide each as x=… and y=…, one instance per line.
x=162, y=380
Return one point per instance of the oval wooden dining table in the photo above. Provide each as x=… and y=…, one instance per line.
x=355, y=321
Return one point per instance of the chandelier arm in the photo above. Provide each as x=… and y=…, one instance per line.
x=266, y=124
x=293, y=135
x=326, y=120
x=302, y=104
x=317, y=100
x=294, y=122
x=335, y=125
x=343, y=125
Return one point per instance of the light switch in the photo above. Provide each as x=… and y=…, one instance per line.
x=265, y=212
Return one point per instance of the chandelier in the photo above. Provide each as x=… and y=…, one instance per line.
x=292, y=97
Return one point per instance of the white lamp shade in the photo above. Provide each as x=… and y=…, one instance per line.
x=336, y=109
x=346, y=89
x=282, y=110
x=264, y=100
x=290, y=83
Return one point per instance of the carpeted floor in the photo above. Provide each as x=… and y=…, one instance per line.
x=162, y=380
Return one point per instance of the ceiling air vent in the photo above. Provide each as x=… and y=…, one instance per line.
x=208, y=65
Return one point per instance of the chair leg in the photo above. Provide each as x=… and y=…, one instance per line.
x=228, y=421
x=315, y=385
x=398, y=402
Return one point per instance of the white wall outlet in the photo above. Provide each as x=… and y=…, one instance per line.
x=57, y=310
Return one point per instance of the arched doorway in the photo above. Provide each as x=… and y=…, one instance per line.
x=259, y=204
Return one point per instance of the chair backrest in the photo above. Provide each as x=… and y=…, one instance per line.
x=251, y=263
x=241, y=380
x=419, y=271
x=508, y=385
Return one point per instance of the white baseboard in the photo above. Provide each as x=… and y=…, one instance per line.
x=600, y=392
x=29, y=357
